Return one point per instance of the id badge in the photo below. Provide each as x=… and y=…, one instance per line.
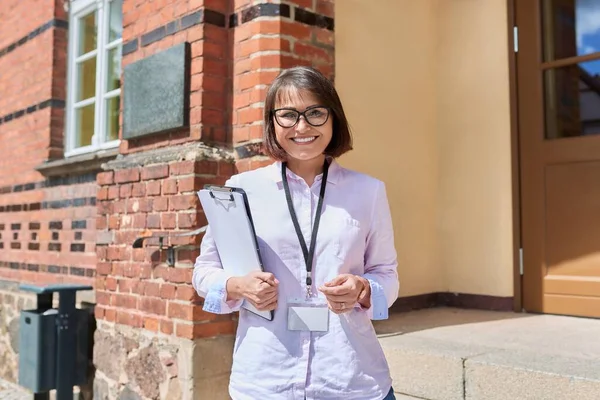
x=308, y=315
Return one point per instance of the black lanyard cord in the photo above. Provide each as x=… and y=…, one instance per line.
x=308, y=255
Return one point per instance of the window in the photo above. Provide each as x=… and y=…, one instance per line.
x=94, y=77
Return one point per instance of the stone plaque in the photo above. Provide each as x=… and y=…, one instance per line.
x=156, y=93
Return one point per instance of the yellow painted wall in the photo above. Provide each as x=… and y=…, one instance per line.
x=425, y=85
x=385, y=74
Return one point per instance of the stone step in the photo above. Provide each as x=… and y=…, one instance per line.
x=537, y=358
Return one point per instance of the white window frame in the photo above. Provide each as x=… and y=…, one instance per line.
x=78, y=9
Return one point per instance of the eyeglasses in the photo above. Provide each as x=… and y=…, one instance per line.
x=289, y=117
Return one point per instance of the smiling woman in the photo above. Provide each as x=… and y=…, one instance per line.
x=327, y=245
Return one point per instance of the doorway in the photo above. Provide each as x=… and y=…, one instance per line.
x=558, y=91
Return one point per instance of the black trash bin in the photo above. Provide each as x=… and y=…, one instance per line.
x=53, y=342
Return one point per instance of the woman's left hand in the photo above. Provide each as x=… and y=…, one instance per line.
x=344, y=291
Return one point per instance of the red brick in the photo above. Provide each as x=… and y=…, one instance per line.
x=325, y=7
x=103, y=268
x=99, y=283
x=187, y=256
x=101, y=223
x=110, y=314
x=169, y=186
x=139, y=287
x=183, y=202
x=115, y=253
x=211, y=329
x=167, y=291
x=153, y=305
x=125, y=191
x=155, y=172
x=206, y=167
x=128, y=318
x=117, y=269
x=180, y=275
x=181, y=311
x=102, y=298
x=119, y=207
x=105, y=178
x=139, y=254
x=186, y=184
x=151, y=324
x=111, y=284
x=160, y=272
x=314, y=54
x=182, y=168
x=153, y=188
x=249, y=115
x=324, y=36
x=152, y=289
x=125, y=300
x=166, y=327
x=131, y=270
x=138, y=190
x=127, y=175
x=168, y=220
x=187, y=220
x=153, y=221
x=308, y=4
x=113, y=193
x=139, y=205
x=139, y=221
x=114, y=222
x=102, y=193
x=187, y=293
x=126, y=285
x=160, y=204
x=99, y=312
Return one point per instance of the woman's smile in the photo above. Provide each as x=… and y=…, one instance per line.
x=304, y=140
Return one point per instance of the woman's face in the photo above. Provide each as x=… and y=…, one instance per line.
x=301, y=140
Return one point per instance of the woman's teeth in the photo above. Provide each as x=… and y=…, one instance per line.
x=304, y=140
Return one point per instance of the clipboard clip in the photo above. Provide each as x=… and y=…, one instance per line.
x=220, y=190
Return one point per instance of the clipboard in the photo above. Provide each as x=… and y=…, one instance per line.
x=230, y=220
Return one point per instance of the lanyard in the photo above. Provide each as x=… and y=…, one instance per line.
x=308, y=254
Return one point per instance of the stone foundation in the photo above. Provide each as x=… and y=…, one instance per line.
x=12, y=301
x=139, y=364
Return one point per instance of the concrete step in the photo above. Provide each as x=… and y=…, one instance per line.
x=492, y=356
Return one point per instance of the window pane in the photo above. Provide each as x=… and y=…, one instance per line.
x=113, y=80
x=572, y=99
x=86, y=79
x=571, y=28
x=84, y=125
x=115, y=23
x=88, y=30
x=112, y=118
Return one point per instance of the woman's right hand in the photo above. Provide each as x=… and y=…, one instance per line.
x=259, y=288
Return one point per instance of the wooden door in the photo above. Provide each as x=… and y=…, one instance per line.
x=558, y=86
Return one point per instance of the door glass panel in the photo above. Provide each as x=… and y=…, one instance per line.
x=86, y=82
x=572, y=100
x=88, y=30
x=84, y=125
x=570, y=28
x=112, y=118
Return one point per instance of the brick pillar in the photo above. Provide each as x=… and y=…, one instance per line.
x=153, y=340
x=268, y=37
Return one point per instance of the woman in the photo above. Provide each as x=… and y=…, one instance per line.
x=324, y=291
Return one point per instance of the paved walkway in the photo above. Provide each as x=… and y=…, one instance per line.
x=10, y=391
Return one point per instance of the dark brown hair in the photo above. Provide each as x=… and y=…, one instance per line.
x=311, y=80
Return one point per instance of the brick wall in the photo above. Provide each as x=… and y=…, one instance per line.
x=47, y=222
x=153, y=339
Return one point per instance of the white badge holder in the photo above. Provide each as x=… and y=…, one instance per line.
x=308, y=315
